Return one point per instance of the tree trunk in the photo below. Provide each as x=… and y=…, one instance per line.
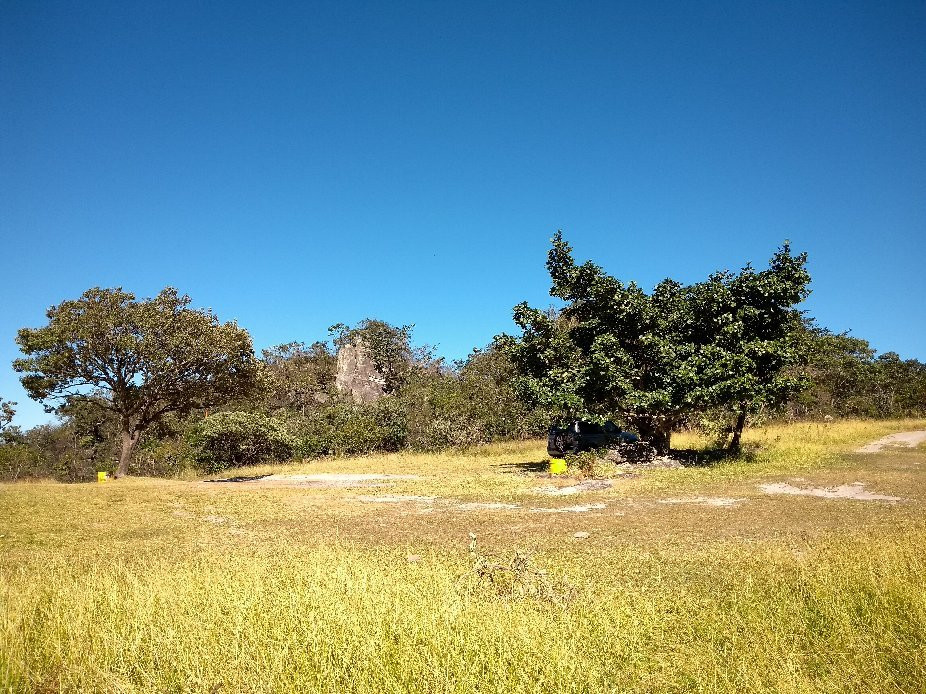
x=130, y=437
x=662, y=438
x=738, y=429
x=656, y=432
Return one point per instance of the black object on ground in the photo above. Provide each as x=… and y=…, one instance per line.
x=586, y=436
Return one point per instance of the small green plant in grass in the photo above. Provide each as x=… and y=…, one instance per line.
x=584, y=463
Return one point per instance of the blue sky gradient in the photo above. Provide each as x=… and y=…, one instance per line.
x=297, y=165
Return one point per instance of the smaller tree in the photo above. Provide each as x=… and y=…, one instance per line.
x=138, y=359
x=297, y=377
x=7, y=412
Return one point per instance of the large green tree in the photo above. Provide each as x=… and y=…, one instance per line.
x=654, y=359
x=140, y=359
x=756, y=323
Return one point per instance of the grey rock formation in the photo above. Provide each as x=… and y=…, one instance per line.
x=357, y=375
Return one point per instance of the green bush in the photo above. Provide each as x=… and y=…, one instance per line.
x=18, y=461
x=231, y=439
x=345, y=428
x=164, y=457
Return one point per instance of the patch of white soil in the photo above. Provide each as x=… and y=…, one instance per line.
x=856, y=490
x=324, y=480
x=905, y=439
x=395, y=499
x=486, y=506
x=570, y=509
x=704, y=501
x=586, y=486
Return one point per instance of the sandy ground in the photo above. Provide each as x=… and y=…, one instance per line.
x=856, y=490
x=905, y=439
x=428, y=504
x=704, y=501
x=325, y=479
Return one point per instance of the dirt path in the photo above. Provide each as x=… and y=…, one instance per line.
x=905, y=439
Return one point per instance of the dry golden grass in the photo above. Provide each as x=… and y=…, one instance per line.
x=177, y=585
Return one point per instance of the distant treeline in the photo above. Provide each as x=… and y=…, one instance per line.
x=847, y=378
x=431, y=405
x=154, y=386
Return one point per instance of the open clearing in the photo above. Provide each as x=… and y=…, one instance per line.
x=797, y=568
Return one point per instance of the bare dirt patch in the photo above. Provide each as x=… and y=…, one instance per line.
x=704, y=501
x=570, y=509
x=904, y=439
x=856, y=490
x=325, y=480
x=658, y=463
x=585, y=486
x=432, y=503
x=396, y=499
x=486, y=506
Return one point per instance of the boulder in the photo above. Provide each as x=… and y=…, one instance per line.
x=356, y=375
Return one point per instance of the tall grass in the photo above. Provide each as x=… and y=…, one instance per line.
x=841, y=617
x=114, y=589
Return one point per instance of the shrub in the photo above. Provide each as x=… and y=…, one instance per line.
x=347, y=428
x=168, y=456
x=230, y=439
x=18, y=461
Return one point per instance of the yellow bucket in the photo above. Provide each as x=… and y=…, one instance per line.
x=557, y=466
x=101, y=476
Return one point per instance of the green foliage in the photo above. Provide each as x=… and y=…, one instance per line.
x=345, y=428
x=18, y=461
x=584, y=462
x=55, y=451
x=486, y=381
x=298, y=378
x=138, y=359
x=232, y=439
x=7, y=411
x=165, y=456
x=656, y=358
x=848, y=380
x=435, y=408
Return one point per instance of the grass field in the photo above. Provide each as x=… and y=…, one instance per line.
x=143, y=585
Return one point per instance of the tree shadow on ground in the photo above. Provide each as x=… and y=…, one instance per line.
x=686, y=457
x=527, y=466
x=252, y=478
x=708, y=457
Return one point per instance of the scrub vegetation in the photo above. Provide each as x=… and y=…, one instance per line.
x=141, y=585
x=155, y=387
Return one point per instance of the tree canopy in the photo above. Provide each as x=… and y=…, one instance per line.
x=655, y=358
x=140, y=359
x=298, y=377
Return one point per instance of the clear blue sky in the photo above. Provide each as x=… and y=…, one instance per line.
x=296, y=165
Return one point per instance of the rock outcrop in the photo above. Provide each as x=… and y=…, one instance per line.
x=357, y=375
